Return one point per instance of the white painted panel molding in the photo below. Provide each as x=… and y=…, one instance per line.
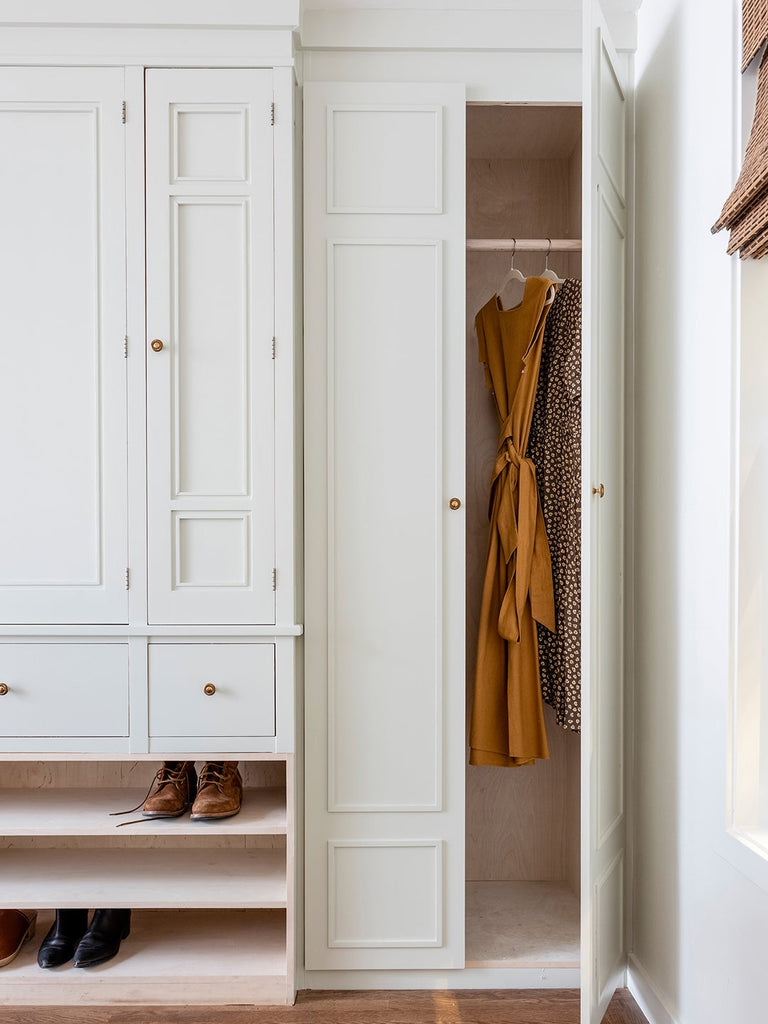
x=385, y=469
x=603, y=950
x=64, y=689
x=211, y=689
x=209, y=142
x=384, y=454
x=384, y=894
x=363, y=178
x=210, y=387
x=63, y=534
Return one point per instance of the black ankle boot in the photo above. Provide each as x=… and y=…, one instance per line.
x=102, y=940
x=60, y=943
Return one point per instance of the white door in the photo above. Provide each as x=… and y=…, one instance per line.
x=384, y=413
x=605, y=311
x=210, y=372
x=63, y=538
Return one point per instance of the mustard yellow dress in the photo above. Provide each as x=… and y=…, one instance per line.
x=507, y=723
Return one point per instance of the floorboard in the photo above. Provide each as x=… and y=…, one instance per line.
x=433, y=1007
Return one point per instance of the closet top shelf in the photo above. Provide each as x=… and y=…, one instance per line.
x=524, y=244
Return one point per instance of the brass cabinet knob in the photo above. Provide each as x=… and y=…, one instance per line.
x=157, y=345
x=3, y=689
x=454, y=503
x=599, y=491
x=209, y=689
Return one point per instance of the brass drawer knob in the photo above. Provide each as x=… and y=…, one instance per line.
x=599, y=491
x=3, y=689
x=455, y=503
x=156, y=345
x=209, y=689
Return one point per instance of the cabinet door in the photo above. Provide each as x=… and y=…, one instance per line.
x=63, y=534
x=210, y=387
x=605, y=315
x=384, y=410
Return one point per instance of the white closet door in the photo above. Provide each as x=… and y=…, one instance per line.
x=63, y=499
x=605, y=312
x=384, y=409
x=210, y=388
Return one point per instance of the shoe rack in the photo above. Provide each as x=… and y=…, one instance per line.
x=212, y=902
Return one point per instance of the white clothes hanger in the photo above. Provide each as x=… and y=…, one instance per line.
x=551, y=273
x=513, y=274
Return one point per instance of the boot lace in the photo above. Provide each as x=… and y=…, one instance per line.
x=216, y=773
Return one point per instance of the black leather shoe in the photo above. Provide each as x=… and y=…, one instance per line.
x=102, y=940
x=60, y=943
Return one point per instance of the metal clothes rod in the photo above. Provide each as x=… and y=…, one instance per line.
x=524, y=244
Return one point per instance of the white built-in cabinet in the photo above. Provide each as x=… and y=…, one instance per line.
x=148, y=582
x=389, y=801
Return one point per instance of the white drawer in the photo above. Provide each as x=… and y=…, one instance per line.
x=239, y=678
x=64, y=689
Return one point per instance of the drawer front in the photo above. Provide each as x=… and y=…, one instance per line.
x=64, y=690
x=211, y=690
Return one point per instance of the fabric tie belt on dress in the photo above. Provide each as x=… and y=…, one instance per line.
x=523, y=540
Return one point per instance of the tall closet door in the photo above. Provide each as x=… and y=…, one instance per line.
x=605, y=312
x=210, y=370
x=384, y=413
x=63, y=537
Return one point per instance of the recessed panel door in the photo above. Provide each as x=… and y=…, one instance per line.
x=605, y=317
x=210, y=379
x=384, y=410
x=63, y=539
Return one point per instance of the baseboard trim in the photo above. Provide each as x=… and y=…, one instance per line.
x=472, y=978
x=646, y=995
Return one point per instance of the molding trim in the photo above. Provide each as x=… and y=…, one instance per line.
x=552, y=29
x=646, y=995
x=522, y=977
x=165, y=13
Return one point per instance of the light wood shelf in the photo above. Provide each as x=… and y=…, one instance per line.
x=188, y=957
x=522, y=925
x=144, y=878
x=86, y=812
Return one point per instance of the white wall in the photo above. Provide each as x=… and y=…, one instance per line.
x=700, y=926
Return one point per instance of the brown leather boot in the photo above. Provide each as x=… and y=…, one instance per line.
x=219, y=791
x=16, y=928
x=175, y=785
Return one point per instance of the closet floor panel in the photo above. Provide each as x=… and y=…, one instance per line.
x=525, y=924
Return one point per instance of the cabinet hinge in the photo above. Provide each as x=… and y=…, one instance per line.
x=272, y=113
x=274, y=347
x=125, y=346
x=274, y=579
x=127, y=578
x=124, y=112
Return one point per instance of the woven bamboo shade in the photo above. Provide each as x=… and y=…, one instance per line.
x=745, y=211
x=754, y=23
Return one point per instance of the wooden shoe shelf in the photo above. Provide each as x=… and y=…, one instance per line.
x=213, y=902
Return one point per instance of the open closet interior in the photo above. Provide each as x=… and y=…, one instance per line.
x=522, y=823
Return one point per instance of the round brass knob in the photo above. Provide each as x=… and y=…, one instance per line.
x=3, y=689
x=157, y=345
x=455, y=503
x=209, y=689
x=599, y=491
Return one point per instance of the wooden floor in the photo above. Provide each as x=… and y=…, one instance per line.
x=488, y=1007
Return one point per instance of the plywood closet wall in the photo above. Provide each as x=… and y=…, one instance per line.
x=523, y=180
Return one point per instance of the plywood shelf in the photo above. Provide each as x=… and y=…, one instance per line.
x=171, y=957
x=143, y=878
x=86, y=812
x=521, y=924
